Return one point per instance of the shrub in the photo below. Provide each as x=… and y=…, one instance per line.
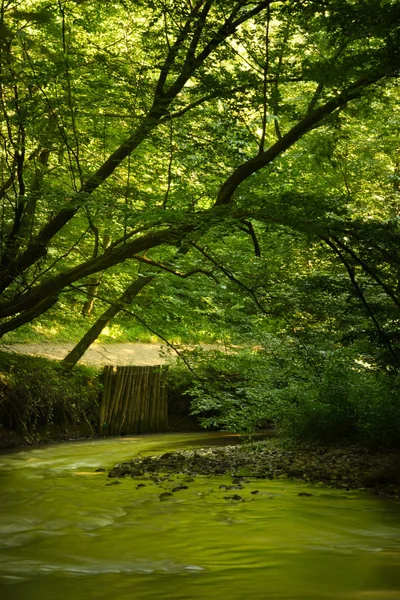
x=36, y=392
x=345, y=403
x=228, y=391
x=378, y=405
x=341, y=403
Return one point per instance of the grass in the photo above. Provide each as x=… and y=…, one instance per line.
x=69, y=327
x=56, y=332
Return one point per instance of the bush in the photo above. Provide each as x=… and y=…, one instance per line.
x=228, y=391
x=318, y=408
x=379, y=411
x=180, y=380
x=247, y=390
x=36, y=392
x=345, y=403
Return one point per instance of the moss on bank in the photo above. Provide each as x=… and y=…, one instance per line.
x=351, y=467
x=41, y=403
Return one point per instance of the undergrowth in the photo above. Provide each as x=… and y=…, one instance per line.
x=243, y=391
x=36, y=393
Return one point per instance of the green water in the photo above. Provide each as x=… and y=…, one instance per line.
x=65, y=534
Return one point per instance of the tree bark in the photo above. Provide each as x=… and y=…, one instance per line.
x=95, y=281
x=93, y=333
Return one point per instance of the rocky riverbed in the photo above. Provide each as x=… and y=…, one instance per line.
x=351, y=467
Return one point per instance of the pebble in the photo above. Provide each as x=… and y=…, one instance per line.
x=348, y=468
x=165, y=495
x=234, y=497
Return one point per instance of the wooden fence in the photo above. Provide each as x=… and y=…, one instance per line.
x=134, y=400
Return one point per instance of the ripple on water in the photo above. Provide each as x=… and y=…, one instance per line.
x=69, y=535
x=83, y=566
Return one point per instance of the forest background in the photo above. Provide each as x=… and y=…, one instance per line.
x=219, y=171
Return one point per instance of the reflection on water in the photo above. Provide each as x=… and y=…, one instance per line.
x=65, y=533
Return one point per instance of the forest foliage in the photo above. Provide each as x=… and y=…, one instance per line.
x=211, y=170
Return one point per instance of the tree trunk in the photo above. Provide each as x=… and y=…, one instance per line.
x=93, y=333
x=92, y=289
x=95, y=281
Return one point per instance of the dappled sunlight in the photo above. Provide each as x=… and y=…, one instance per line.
x=98, y=354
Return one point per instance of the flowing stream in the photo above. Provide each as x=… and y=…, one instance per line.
x=66, y=534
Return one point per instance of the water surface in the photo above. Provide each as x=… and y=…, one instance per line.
x=66, y=534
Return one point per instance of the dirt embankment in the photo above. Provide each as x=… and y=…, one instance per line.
x=97, y=355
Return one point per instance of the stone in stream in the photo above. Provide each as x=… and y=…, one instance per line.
x=238, y=479
x=165, y=495
x=180, y=487
x=235, y=497
x=167, y=455
x=255, y=492
x=304, y=494
x=140, y=485
x=100, y=470
x=114, y=483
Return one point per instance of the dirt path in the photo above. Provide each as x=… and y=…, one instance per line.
x=98, y=354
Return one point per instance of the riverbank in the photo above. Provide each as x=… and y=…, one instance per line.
x=348, y=468
x=54, y=434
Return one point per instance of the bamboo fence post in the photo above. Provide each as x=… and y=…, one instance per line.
x=134, y=400
x=124, y=397
x=119, y=398
x=155, y=400
x=142, y=402
x=164, y=398
x=108, y=374
x=119, y=384
x=142, y=387
x=148, y=399
x=139, y=403
x=127, y=399
x=103, y=401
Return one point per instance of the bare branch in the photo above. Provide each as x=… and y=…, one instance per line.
x=250, y=229
x=159, y=265
x=382, y=334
